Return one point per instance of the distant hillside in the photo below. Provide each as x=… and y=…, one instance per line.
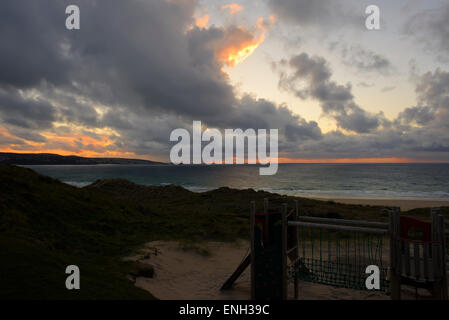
x=50, y=158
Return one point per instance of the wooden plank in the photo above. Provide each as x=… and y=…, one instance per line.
x=435, y=249
x=395, y=256
x=296, y=284
x=398, y=241
x=358, y=223
x=336, y=227
x=417, y=260
x=406, y=244
x=427, y=275
x=237, y=273
x=284, y=251
x=391, y=230
x=444, y=281
x=266, y=207
x=252, y=217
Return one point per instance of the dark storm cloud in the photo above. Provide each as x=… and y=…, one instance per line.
x=25, y=112
x=141, y=51
x=311, y=78
x=139, y=61
x=127, y=52
x=261, y=114
x=31, y=38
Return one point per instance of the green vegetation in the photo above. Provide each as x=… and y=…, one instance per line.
x=46, y=225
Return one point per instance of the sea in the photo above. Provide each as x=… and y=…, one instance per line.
x=328, y=181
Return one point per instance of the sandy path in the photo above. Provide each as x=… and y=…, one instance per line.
x=187, y=274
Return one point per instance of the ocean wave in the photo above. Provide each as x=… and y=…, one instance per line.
x=78, y=184
x=362, y=194
x=342, y=194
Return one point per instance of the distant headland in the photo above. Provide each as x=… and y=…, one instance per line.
x=55, y=159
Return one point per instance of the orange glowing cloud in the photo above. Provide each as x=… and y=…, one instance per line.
x=233, y=8
x=238, y=43
x=203, y=21
x=73, y=142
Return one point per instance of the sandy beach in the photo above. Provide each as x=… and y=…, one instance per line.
x=190, y=274
x=404, y=204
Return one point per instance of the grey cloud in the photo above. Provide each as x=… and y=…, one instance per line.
x=25, y=112
x=129, y=53
x=433, y=89
x=6, y=141
x=314, y=74
x=416, y=115
x=363, y=60
x=430, y=29
x=32, y=35
x=388, y=88
x=319, y=13
x=364, y=84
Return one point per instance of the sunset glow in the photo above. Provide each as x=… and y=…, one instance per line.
x=241, y=43
x=203, y=21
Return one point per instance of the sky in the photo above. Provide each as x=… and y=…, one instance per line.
x=138, y=69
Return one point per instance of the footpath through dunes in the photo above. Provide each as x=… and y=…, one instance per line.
x=46, y=225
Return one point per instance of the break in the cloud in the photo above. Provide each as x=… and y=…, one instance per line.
x=138, y=69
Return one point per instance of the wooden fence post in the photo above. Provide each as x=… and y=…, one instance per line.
x=284, y=251
x=296, y=256
x=252, y=217
x=436, y=255
x=444, y=284
x=395, y=256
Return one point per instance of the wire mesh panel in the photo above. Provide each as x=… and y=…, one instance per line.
x=339, y=258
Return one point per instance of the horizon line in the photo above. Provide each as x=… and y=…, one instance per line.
x=282, y=160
